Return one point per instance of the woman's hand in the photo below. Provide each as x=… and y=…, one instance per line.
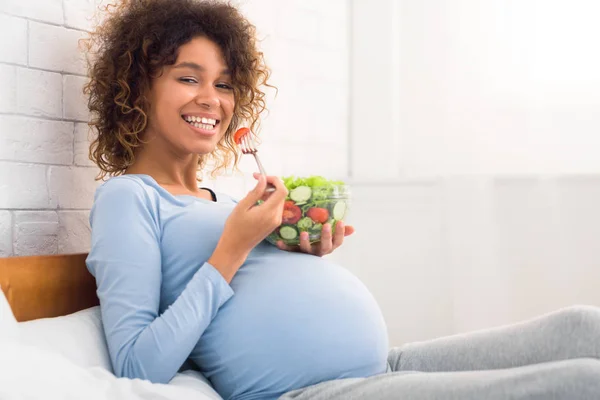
x=327, y=244
x=248, y=224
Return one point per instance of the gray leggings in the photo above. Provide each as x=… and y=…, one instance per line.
x=555, y=356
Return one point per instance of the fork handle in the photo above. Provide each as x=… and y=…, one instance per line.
x=270, y=187
x=260, y=166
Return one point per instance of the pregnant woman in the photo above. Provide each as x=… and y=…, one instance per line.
x=184, y=273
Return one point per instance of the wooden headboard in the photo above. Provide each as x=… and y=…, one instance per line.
x=47, y=286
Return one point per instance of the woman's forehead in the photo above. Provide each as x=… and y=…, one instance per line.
x=201, y=53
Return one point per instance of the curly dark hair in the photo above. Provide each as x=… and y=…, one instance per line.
x=135, y=41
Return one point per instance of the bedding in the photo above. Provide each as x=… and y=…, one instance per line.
x=77, y=336
x=66, y=358
x=28, y=372
x=8, y=323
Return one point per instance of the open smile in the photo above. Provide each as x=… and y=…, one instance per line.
x=201, y=124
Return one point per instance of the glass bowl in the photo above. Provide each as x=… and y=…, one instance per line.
x=308, y=208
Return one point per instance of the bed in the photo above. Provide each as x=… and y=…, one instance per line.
x=51, y=338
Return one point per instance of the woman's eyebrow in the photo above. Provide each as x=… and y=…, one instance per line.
x=197, y=67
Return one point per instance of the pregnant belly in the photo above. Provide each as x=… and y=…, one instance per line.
x=294, y=321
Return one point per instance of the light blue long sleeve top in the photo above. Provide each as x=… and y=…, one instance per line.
x=286, y=320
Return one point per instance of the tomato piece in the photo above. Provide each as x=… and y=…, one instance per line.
x=237, y=136
x=319, y=215
x=291, y=213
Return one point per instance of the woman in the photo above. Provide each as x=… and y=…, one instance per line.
x=184, y=273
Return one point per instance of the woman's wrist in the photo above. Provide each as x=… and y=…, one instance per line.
x=227, y=260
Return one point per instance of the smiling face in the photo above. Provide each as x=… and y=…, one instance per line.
x=192, y=101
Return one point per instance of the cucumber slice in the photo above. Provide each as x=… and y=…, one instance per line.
x=301, y=194
x=288, y=232
x=339, y=210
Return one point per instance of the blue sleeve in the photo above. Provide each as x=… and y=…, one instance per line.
x=125, y=259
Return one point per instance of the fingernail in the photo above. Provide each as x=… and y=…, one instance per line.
x=327, y=228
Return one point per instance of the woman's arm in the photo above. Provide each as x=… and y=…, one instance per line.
x=125, y=258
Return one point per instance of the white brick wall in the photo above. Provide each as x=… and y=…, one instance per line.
x=72, y=187
x=73, y=231
x=44, y=54
x=80, y=14
x=13, y=40
x=50, y=11
x=24, y=186
x=8, y=83
x=36, y=140
x=35, y=231
x=38, y=93
x=5, y=233
x=81, y=145
x=75, y=102
x=46, y=178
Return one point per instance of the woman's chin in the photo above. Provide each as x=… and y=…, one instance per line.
x=202, y=150
x=201, y=146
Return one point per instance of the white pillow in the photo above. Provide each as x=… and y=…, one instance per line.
x=79, y=337
x=28, y=372
x=8, y=323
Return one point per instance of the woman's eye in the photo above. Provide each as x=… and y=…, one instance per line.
x=188, y=80
x=224, y=86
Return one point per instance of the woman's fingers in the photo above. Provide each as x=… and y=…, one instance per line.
x=305, y=243
x=338, y=237
x=348, y=230
x=326, y=240
x=276, y=198
x=328, y=243
x=255, y=194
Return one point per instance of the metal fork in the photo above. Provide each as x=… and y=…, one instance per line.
x=249, y=147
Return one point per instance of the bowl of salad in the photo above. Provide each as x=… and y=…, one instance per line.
x=311, y=202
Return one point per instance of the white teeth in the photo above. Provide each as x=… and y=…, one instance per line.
x=207, y=121
x=207, y=127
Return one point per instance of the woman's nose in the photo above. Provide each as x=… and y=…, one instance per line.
x=207, y=97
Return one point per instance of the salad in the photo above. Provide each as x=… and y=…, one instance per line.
x=311, y=202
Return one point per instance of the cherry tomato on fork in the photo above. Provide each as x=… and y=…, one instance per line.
x=237, y=136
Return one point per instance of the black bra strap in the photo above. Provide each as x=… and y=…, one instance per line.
x=212, y=194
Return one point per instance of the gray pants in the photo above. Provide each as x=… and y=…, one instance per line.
x=555, y=356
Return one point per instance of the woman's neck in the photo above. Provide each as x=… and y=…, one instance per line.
x=169, y=170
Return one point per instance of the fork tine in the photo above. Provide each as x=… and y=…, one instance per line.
x=243, y=145
x=248, y=144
